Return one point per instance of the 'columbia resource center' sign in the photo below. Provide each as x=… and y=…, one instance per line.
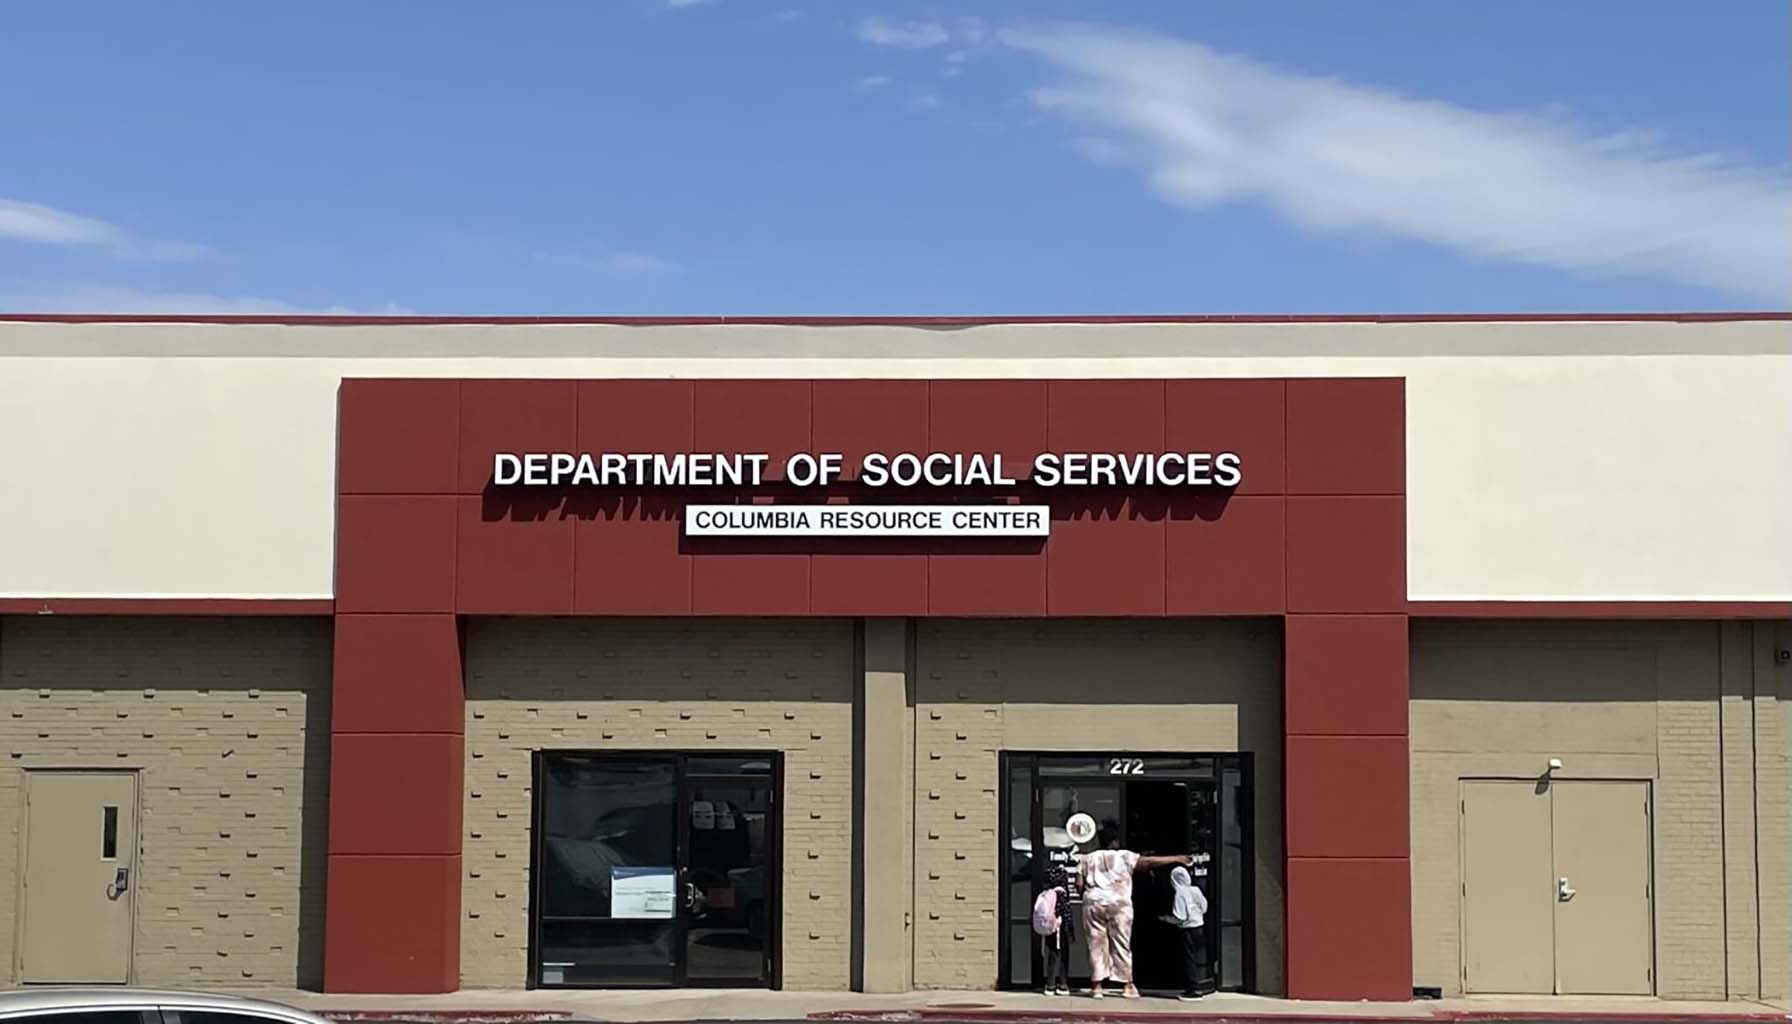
x=876, y=470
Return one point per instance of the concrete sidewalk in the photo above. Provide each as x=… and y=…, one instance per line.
x=513, y=1006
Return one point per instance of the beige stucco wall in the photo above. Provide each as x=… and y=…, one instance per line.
x=982, y=687
x=1658, y=701
x=227, y=723
x=660, y=684
x=1629, y=460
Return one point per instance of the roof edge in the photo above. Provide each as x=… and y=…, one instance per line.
x=330, y=320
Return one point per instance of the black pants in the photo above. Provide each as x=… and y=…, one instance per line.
x=1194, y=961
x=1057, y=962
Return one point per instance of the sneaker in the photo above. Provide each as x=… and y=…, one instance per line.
x=1189, y=997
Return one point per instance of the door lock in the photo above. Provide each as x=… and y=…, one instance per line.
x=1564, y=892
x=121, y=881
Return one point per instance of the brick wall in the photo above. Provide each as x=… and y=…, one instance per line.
x=659, y=684
x=982, y=687
x=227, y=723
x=1637, y=700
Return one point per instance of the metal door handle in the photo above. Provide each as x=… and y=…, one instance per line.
x=690, y=896
x=121, y=881
x=1564, y=892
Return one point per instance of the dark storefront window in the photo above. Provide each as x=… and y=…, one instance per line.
x=654, y=870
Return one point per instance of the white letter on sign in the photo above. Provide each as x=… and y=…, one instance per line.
x=507, y=469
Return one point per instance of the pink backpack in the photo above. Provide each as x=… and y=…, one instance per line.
x=1045, y=913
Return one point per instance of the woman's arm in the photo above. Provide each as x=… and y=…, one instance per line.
x=1153, y=863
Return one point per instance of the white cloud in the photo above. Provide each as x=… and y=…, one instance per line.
x=21, y=221
x=24, y=297
x=676, y=4
x=790, y=14
x=910, y=35
x=925, y=101
x=874, y=81
x=1205, y=127
x=33, y=222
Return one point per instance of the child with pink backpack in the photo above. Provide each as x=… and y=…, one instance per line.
x=1052, y=922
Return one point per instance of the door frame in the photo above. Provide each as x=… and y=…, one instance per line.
x=774, y=852
x=1549, y=782
x=1007, y=759
x=24, y=854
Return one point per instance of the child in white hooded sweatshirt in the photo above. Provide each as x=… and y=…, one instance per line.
x=1188, y=912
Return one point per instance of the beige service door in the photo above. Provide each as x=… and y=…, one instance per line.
x=1507, y=937
x=78, y=880
x=1603, y=918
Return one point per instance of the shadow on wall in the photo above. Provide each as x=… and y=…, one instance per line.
x=530, y=504
x=660, y=660
x=1519, y=662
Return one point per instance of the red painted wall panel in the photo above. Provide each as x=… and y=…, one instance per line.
x=1105, y=415
x=397, y=436
x=628, y=558
x=1346, y=675
x=636, y=415
x=1349, y=929
x=1243, y=416
x=393, y=924
x=1347, y=554
x=986, y=584
x=1347, y=797
x=510, y=560
x=513, y=416
x=868, y=583
x=1224, y=557
x=397, y=673
x=752, y=416
x=750, y=579
x=395, y=793
x=991, y=416
x=1105, y=555
x=856, y=417
x=395, y=553
x=1347, y=436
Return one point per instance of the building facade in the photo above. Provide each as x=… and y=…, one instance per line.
x=407, y=655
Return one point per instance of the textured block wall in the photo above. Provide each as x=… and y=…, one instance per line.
x=660, y=684
x=1617, y=700
x=226, y=722
x=981, y=687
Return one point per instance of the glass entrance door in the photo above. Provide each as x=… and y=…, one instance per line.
x=1155, y=804
x=654, y=870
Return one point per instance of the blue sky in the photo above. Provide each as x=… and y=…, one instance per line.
x=735, y=157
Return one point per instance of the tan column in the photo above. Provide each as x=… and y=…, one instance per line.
x=1742, y=957
x=883, y=799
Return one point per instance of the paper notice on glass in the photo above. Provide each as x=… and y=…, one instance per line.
x=643, y=892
